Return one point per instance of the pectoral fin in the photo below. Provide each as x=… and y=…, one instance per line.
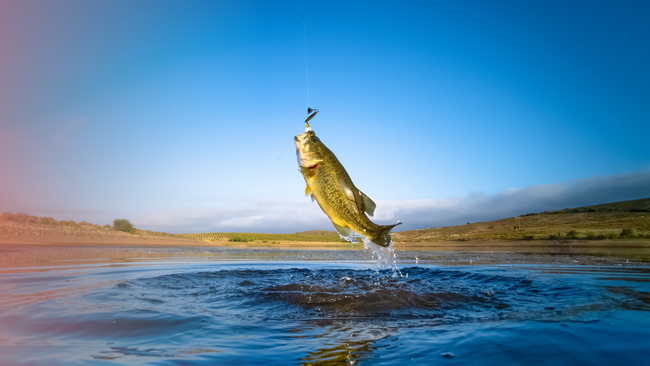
x=306, y=172
x=309, y=193
x=368, y=204
x=344, y=231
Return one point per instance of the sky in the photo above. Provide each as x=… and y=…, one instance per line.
x=180, y=116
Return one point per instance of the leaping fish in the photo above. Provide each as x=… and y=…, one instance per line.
x=330, y=185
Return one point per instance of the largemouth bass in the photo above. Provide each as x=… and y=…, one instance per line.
x=330, y=185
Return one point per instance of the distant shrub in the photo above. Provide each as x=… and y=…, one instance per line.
x=572, y=234
x=555, y=236
x=592, y=236
x=46, y=221
x=123, y=225
x=611, y=236
x=107, y=226
x=19, y=217
x=529, y=237
x=239, y=238
x=628, y=233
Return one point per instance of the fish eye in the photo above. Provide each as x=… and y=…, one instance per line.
x=315, y=139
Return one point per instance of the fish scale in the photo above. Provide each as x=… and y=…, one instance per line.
x=328, y=180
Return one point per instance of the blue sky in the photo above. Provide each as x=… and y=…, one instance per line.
x=180, y=116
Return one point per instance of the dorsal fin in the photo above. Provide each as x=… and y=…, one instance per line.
x=361, y=202
x=368, y=204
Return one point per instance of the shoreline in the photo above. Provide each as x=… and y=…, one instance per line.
x=33, y=245
x=70, y=234
x=23, y=258
x=130, y=240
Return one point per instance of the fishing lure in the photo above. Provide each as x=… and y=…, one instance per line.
x=311, y=115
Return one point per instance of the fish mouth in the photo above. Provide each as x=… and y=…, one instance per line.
x=302, y=138
x=301, y=150
x=298, y=143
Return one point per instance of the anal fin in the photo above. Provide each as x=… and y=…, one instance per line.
x=344, y=231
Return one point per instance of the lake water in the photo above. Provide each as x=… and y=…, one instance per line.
x=272, y=312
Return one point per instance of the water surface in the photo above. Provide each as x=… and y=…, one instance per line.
x=180, y=312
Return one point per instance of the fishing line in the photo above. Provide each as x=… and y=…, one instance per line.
x=309, y=110
x=304, y=29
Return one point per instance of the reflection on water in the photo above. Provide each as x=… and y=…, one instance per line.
x=118, y=352
x=634, y=300
x=638, y=252
x=347, y=353
x=322, y=313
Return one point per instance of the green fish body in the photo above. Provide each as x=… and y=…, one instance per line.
x=330, y=185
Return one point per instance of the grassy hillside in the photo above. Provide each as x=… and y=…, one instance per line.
x=310, y=236
x=642, y=205
x=318, y=232
x=618, y=220
x=21, y=224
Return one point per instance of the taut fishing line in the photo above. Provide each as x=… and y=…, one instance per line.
x=304, y=29
x=309, y=110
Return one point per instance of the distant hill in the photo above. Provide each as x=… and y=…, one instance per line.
x=318, y=232
x=267, y=238
x=613, y=221
x=616, y=220
x=642, y=205
x=20, y=227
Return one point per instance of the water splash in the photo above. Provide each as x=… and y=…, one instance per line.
x=386, y=257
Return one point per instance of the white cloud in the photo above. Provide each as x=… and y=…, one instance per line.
x=286, y=216
x=516, y=201
x=246, y=215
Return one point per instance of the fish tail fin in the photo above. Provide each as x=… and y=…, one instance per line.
x=384, y=238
